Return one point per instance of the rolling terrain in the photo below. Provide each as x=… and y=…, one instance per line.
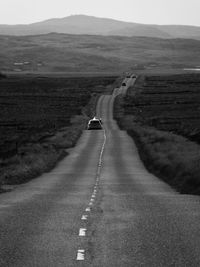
x=40, y=118
x=167, y=102
x=161, y=113
x=82, y=24
x=91, y=53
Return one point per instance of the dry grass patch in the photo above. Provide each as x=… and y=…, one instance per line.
x=171, y=157
x=35, y=159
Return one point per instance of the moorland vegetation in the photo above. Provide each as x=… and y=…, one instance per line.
x=41, y=117
x=56, y=52
x=162, y=114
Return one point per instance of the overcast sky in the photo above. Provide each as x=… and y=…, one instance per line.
x=142, y=11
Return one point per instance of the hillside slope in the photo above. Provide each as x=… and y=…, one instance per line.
x=62, y=52
x=82, y=24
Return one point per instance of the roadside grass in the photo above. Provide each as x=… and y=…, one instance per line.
x=171, y=157
x=19, y=169
x=167, y=102
x=35, y=159
x=41, y=118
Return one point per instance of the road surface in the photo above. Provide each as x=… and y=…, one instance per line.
x=99, y=207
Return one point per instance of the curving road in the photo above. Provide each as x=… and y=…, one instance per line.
x=99, y=207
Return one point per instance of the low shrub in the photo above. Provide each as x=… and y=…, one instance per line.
x=171, y=157
x=32, y=165
x=35, y=159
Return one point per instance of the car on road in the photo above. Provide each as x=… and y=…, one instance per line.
x=94, y=124
x=123, y=84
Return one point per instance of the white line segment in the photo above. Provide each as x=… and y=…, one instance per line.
x=88, y=209
x=80, y=255
x=82, y=231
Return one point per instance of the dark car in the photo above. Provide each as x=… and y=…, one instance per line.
x=123, y=84
x=94, y=124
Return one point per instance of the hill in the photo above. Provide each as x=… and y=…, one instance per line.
x=81, y=24
x=90, y=53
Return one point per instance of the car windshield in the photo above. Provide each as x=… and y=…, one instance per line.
x=94, y=122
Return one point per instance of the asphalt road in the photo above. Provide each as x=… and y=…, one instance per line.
x=99, y=207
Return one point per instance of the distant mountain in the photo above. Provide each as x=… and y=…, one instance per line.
x=94, y=53
x=81, y=24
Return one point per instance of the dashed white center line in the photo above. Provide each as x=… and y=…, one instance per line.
x=82, y=231
x=80, y=255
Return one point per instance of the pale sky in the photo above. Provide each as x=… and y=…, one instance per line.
x=142, y=11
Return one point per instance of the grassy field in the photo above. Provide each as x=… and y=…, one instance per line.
x=91, y=53
x=169, y=103
x=162, y=114
x=41, y=117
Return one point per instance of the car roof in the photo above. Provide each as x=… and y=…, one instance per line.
x=94, y=119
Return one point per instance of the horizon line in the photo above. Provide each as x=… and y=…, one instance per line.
x=73, y=15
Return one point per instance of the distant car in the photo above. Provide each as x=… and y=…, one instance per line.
x=94, y=124
x=133, y=76
x=128, y=76
x=123, y=84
